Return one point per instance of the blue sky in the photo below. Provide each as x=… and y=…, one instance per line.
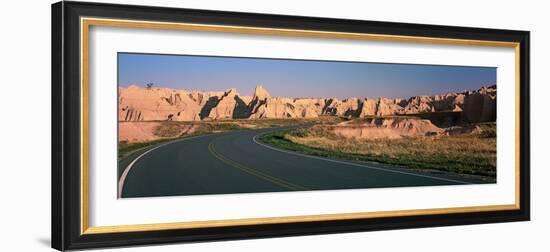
x=299, y=78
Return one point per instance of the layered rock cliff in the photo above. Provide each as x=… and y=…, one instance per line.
x=157, y=104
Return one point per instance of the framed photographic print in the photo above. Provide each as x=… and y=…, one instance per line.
x=180, y=125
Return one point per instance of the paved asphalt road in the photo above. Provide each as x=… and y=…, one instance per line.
x=236, y=162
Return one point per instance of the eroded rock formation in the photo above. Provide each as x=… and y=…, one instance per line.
x=159, y=104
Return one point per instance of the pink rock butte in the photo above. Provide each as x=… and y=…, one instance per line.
x=159, y=104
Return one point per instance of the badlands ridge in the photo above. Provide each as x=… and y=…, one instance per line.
x=163, y=104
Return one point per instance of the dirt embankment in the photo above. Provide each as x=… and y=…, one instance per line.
x=396, y=127
x=137, y=131
x=391, y=128
x=148, y=131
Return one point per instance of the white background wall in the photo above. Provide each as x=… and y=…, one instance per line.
x=25, y=125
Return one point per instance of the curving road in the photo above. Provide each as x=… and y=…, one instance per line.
x=236, y=162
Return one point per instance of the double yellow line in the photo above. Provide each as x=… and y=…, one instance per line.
x=254, y=172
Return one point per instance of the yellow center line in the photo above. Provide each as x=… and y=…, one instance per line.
x=254, y=172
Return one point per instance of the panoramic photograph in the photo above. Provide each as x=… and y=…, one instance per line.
x=202, y=125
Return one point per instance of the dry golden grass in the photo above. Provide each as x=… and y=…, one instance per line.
x=465, y=154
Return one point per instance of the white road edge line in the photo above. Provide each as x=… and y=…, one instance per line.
x=129, y=167
x=350, y=163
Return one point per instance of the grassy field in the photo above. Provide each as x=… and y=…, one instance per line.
x=473, y=154
x=125, y=148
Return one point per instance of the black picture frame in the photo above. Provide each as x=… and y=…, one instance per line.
x=66, y=114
